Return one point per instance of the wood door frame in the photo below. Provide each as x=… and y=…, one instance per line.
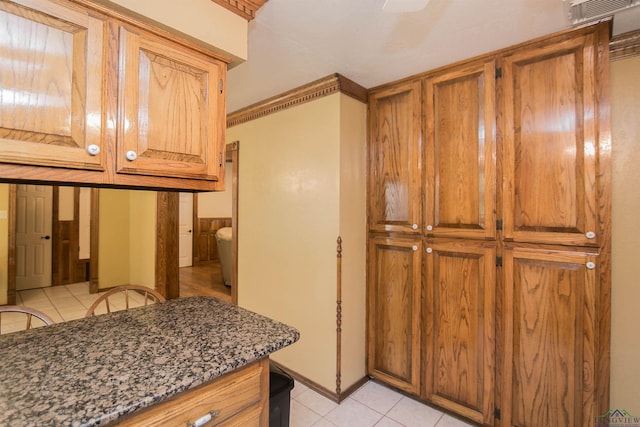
x=11, y=237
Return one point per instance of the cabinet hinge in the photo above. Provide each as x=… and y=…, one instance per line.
x=499, y=224
x=498, y=261
x=496, y=413
x=498, y=73
x=221, y=86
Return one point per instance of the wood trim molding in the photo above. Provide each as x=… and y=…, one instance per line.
x=244, y=8
x=624, y=45
x=94, y=242
x=339, y=317
x=233, y=151
x=167, y=220
x=11, y=262
x=320, y=389
x=317, y=89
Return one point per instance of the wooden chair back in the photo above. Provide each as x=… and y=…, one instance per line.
x=126, y=292
x=29, y=314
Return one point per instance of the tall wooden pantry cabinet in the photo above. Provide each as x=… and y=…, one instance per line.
x=489, y=229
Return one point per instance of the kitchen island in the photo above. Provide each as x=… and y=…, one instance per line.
x=171, y=361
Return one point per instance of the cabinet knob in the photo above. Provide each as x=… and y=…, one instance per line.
x=131, y=155
x=414, y=247
x=429, y=250
x=414, y=226
x=429, y=227
x=591, y=265
x=93, y=149
x=590, y=234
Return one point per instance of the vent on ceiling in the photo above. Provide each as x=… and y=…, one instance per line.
x=581, y=11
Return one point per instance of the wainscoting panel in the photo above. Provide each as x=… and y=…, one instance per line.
x=207, y=248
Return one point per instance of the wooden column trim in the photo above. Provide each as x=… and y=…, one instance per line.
x=339, y=318
x=320, y=88
x=624, y=45
x=167, y=221
x=94, y=241
x=233, y=155
x=11, y=255
x=195, y=227
x=55, y=236
x=244, y=8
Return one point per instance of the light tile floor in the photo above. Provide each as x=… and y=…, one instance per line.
x=371, y=405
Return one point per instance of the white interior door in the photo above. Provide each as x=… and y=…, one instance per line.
x=186, y=230
x=33, y=236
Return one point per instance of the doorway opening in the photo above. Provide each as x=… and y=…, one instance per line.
x=201, y=270
x=49, y=237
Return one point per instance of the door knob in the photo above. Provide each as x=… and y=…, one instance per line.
x=45, y=237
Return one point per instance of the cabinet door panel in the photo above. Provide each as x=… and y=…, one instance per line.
x=394, y=158
x=171, y=107
x=550, y=146
x=52, y=78
x=460, y=324
x=394, y=311
x=460, y=152
x=549, y=326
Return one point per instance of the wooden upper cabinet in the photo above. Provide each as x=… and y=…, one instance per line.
x=551, y=142
x=171, y=109
x=395, y=190
x=460, y=161
x=393, y=311
x=52, y=77
x=550, y=328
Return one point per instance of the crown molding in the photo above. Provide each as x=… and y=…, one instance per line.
x=317, y=89
x=245, y=8
x=624, y=45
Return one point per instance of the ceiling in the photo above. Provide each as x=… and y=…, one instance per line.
x=294, y=42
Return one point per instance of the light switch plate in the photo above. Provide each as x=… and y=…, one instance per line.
x=3, y=214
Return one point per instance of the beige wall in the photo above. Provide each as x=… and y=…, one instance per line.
x=127, y=244
x=217, y=204
x=113, y=246
x=202, y=19
x=289, y=216
x=142, y=238
x=4, y=242
x=625, y=315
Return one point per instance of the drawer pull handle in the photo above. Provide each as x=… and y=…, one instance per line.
x=204, y=419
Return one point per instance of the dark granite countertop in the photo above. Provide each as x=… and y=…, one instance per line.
x=91, y=371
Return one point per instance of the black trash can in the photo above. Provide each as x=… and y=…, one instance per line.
x=280, y=386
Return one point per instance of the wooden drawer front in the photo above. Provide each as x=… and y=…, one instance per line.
x=238, y=395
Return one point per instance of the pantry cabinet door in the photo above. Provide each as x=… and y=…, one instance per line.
x=395, y=189
x=459, y=363
x=172, y=109
x=393, y=311
x=52, y=77
x=551, y=143
x=460, y=161
x=549, y=366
